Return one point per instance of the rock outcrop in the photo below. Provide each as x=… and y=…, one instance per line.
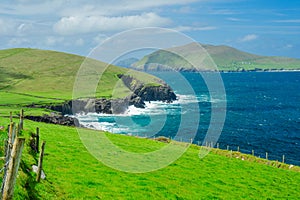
x=140, y=94
x=149, y=92
x=55, y=119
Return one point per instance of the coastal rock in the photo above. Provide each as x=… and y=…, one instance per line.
x=140, y=94
x=55, y=119
x=156, y=93
x=150, y=92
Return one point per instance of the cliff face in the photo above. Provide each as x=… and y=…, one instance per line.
x=55, y=119
x=160, y=92
x=140, y=94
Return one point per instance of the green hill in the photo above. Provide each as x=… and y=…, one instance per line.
x=33, y=76
x=52, y=74
x=226, y=59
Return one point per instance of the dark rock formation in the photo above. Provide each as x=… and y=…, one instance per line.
x=140, y=94
x=149, y=92
x=156, y=93
x=55, y=119
x=108, y=106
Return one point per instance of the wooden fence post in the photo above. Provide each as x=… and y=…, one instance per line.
x=10, y=117
x=40, y=164
x=266, y=155
x=13, y=167
x=6, y=159
x=37, y=139
x=252, y=152
x=218, y=145
x=11, y=132
x=11, y=139
x=21, y=120
x=283, y=158
x=7, y=151
x=238, y=149
x=18, y=129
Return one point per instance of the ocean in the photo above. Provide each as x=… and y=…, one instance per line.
x=262, y=113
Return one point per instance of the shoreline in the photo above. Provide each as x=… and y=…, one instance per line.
x=223, y=152
x=222, y=71
x=261, y=71
x=237, y=75
x=73, y=122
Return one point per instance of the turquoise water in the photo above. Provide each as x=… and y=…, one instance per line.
x=262, y=113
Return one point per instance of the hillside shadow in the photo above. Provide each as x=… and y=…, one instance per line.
x=7, y=79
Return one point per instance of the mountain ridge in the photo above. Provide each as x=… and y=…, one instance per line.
x=224, y=57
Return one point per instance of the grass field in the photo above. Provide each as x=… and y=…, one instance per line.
x=72, y=173
x=33, y=76
x=41, y=77
x=51, y=74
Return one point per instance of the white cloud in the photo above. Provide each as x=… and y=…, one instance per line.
x=288, y=21
x=248, y=38
x=83, y=7
x=288, y=46
x=79, y=42
x=24, y=28
x=185, y=10
x=52, y=41
x=138, y=5
x=236, y=19
x=223, y=12
x=19, y=41
x=192, y=28
x=81, y=24
x=16, y=27
x=8, y=27
x=100, y=38
x=34, y=7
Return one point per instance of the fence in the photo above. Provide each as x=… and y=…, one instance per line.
x=13, y=147
x=250, y=151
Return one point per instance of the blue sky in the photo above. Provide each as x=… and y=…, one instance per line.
x=257, y=26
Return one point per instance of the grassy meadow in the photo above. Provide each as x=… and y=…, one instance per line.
x=51, y=74
x=72, y=173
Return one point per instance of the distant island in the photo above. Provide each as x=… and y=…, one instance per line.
x=226, y=59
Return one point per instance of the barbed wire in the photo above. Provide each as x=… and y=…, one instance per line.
x=5, y=165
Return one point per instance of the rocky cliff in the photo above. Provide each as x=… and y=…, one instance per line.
x=55, y=119
x=154, y=92
x=140, y=94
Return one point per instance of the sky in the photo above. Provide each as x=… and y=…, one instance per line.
x=270, y=27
